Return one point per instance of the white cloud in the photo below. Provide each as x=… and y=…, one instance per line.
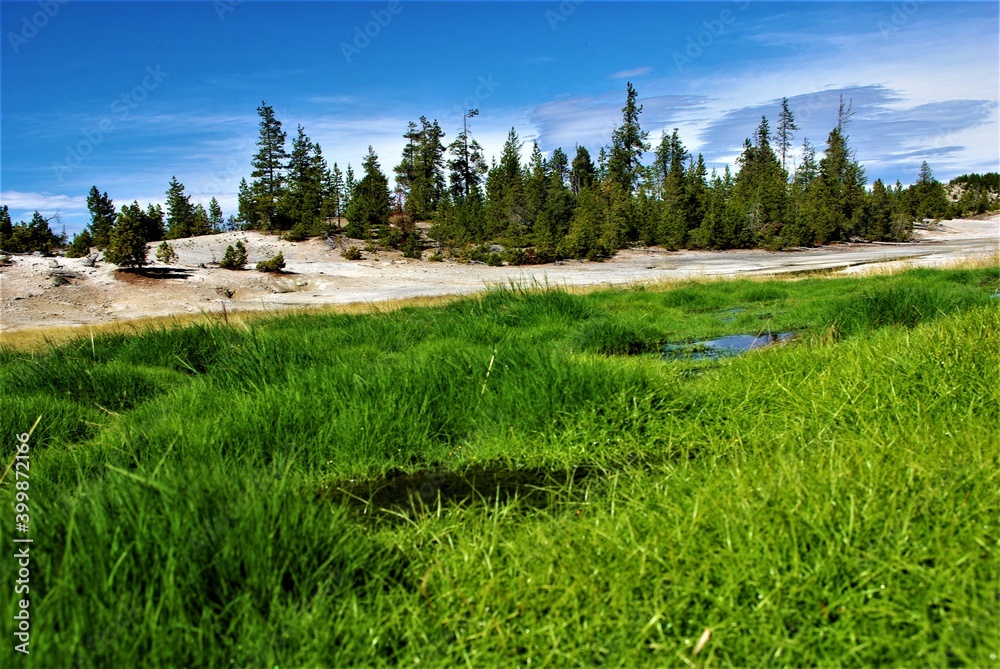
x=635, y=72
x=22, y=204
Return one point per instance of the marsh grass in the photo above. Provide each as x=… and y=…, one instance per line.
x=824, y=503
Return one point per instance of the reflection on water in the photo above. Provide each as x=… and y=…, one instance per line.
x=723, y=346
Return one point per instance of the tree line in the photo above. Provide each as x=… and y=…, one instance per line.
x=552, y=207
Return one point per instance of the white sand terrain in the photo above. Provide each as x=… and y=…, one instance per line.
x=38, y=292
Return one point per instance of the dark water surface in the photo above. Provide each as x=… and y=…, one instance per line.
x=712, y=349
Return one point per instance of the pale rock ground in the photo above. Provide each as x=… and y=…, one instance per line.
x=316, y=274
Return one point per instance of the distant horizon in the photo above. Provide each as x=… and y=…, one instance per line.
x=172, y=88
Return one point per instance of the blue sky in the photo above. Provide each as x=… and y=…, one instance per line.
x=124, y=95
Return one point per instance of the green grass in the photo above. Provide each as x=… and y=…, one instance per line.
x=831, y=502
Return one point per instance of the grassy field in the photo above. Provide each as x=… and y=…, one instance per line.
x=522, y=479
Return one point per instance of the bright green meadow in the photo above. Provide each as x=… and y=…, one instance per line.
x=521, y=478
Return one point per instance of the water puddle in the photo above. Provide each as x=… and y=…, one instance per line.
x=407, y=495
x=713, y=349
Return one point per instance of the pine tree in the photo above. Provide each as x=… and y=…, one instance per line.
x=505, y=191
x=467, y=165
x=430, y=187
x=558, y=198
x=215, y=217
x=696, y=198
x=247, y=211
x=582, y=172
x=587, y=227
x=786, y=130
x=36, y=235
x=333, y=196
x=877, y=218
x=761, y=191
x=301, y=203
x=6, y=228
x=369, y=206
x=79, y=247
x=127, y=246
x=669, y=169
x=927, y=198
x=535, y=187
x=350, y=183
x=102, y=217
x=268, y=169
x=837, y=194
x=154, y=228
x=406, y=171
x=180, y=212
x=800, y=228
x=420, y=174
x=628, y=144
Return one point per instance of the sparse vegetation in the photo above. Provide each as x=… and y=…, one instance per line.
x=274, y=264
x=351, y=253
x=165, y=253
x=800, y=502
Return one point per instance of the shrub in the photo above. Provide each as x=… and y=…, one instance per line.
x=275, y=264
x=413, y=248
x=351, y=253
x=165, y=253
x=235, y=257
x=298, y=233
x=494, y=260
x=436, y=256
x=80, y=246
x=127, y=245
x=516, y=257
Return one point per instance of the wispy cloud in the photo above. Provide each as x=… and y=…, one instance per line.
x=590, y=120
x=890, y=134
x=633, y=73
x=23, y=204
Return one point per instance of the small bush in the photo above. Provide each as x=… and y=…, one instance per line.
x=494, y=260
x=351, y=253
x=275, y=264
x=165, y=253
x=235, y=257
x=412, y=248
x=516, y=257
x=436, y=256
x=298, y=233
x=80, y=246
